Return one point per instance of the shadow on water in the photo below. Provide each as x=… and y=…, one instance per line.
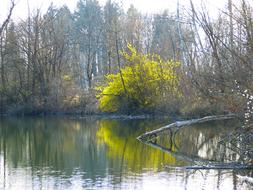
x=67, y=153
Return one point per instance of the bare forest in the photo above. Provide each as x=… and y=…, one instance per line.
x=104, y=59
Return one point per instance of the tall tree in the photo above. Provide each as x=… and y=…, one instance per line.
x=134, y=27
x=2, y=42
x=112, y=30
x=165, y=38
x=88, y=26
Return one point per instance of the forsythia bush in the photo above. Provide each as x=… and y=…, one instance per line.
x=144, y=82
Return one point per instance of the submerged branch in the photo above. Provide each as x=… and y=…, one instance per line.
x=245, y=179
x=179, y=124
x=221, y=167
x=215, y=167
x=202, y=164
x=181, y=156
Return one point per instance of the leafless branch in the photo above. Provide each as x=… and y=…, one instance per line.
x=6, y=21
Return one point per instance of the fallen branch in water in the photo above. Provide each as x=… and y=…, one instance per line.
x=221, y=167
x=179, y=124
x=245, y=179
x=215, y=167
x=181, y=156
x=202, y=164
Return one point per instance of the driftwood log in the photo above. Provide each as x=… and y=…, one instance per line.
x=245, y=179
x=180, y=124
x=229, y=166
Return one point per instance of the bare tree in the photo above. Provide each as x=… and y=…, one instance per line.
x=2, y=66
x=6, y=21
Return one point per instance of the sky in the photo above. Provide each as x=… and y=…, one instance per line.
x=145, y=6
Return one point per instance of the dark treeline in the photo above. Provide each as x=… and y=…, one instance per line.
x=53, y=62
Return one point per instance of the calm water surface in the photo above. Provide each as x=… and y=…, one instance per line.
x=68, y=153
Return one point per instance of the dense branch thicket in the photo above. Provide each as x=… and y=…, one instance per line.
x=53, y=62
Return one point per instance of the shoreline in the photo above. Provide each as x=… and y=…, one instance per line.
x=95, y=115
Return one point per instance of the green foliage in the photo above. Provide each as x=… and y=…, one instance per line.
x=142, y=84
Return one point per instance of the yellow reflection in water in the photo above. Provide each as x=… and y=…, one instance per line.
x=122, y=144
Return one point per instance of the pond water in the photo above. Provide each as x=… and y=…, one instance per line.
x=88, y=153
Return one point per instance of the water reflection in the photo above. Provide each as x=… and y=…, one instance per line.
x=202, y=142
x=65, y=153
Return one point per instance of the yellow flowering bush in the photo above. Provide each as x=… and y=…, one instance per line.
x=142, y=83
